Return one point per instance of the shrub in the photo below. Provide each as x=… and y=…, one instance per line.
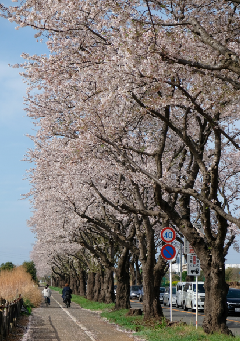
x=31, y=269
x=17, y=281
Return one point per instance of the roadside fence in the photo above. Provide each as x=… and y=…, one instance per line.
x=9, y=312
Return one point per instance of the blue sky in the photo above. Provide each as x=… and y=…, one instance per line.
x=16, y=237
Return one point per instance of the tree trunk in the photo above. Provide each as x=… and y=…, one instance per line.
x=97, y=287
x=82, y=283
x=101, y=284
x=108, y=286
x=60, y=282
x=151, y=302
x=160, y=269
x=55, y=281
x=132, y=271
x=72, y=284
x=123, y=281
x=212, y=261
x=90, y=285
x=148, y=290
x=215, y=306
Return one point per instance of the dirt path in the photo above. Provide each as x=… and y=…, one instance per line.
x=57, y=323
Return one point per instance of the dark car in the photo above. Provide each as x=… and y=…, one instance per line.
x=233, y=300
x=135, y=291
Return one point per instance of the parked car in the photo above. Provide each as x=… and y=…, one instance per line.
x=166, y=296
x=189, y=296
x=134, y=291
x=233, y=300
x=179, y=294
x=162, y=291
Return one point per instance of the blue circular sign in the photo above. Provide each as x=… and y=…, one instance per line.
x=168, y=252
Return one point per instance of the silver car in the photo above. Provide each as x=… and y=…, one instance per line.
x=135, y=291
x=166, y=296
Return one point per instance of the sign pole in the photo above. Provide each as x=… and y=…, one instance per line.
x=168, y=252
x=170, y=293
x=196, y=301
x=180, y=262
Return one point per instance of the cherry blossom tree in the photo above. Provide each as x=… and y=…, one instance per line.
x=66, y=188
x=156, y=89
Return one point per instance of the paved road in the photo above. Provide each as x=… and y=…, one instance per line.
x=57, y=323
x=233, y=322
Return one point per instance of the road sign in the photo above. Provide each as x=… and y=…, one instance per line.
x=199, y=228
x=187, y=247
x=193, y=265
x=168, y=234
x=168, y=251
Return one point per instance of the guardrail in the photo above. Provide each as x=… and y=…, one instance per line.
x=9, y=312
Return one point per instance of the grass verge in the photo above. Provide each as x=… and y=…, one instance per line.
x=150, y=330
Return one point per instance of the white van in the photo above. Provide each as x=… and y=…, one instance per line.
x=189, y=296
x=179, y=294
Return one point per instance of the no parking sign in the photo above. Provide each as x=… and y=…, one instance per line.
x=168, y=252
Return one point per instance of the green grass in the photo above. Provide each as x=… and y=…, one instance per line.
x=157, y=331
x=84, y=303
x=183, y=333
x=119, y=317
x=56, y=289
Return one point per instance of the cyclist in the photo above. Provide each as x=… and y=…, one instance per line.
x=66, y=293
x=47, y=293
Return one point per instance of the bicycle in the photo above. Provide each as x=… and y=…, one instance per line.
x=46, y=301
x=67, y=301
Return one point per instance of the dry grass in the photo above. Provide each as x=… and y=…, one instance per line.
x=16, y=282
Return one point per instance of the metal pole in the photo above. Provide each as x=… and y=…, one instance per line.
x=196, y=301
x=170, y=293
x=180, y=262
x=51, y=281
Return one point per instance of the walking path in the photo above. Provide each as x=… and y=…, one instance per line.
x=57, y=323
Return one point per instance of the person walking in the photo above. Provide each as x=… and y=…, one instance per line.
x=47, y=293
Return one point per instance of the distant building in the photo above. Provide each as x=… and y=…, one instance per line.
x=176, y=266
x=232, y=266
